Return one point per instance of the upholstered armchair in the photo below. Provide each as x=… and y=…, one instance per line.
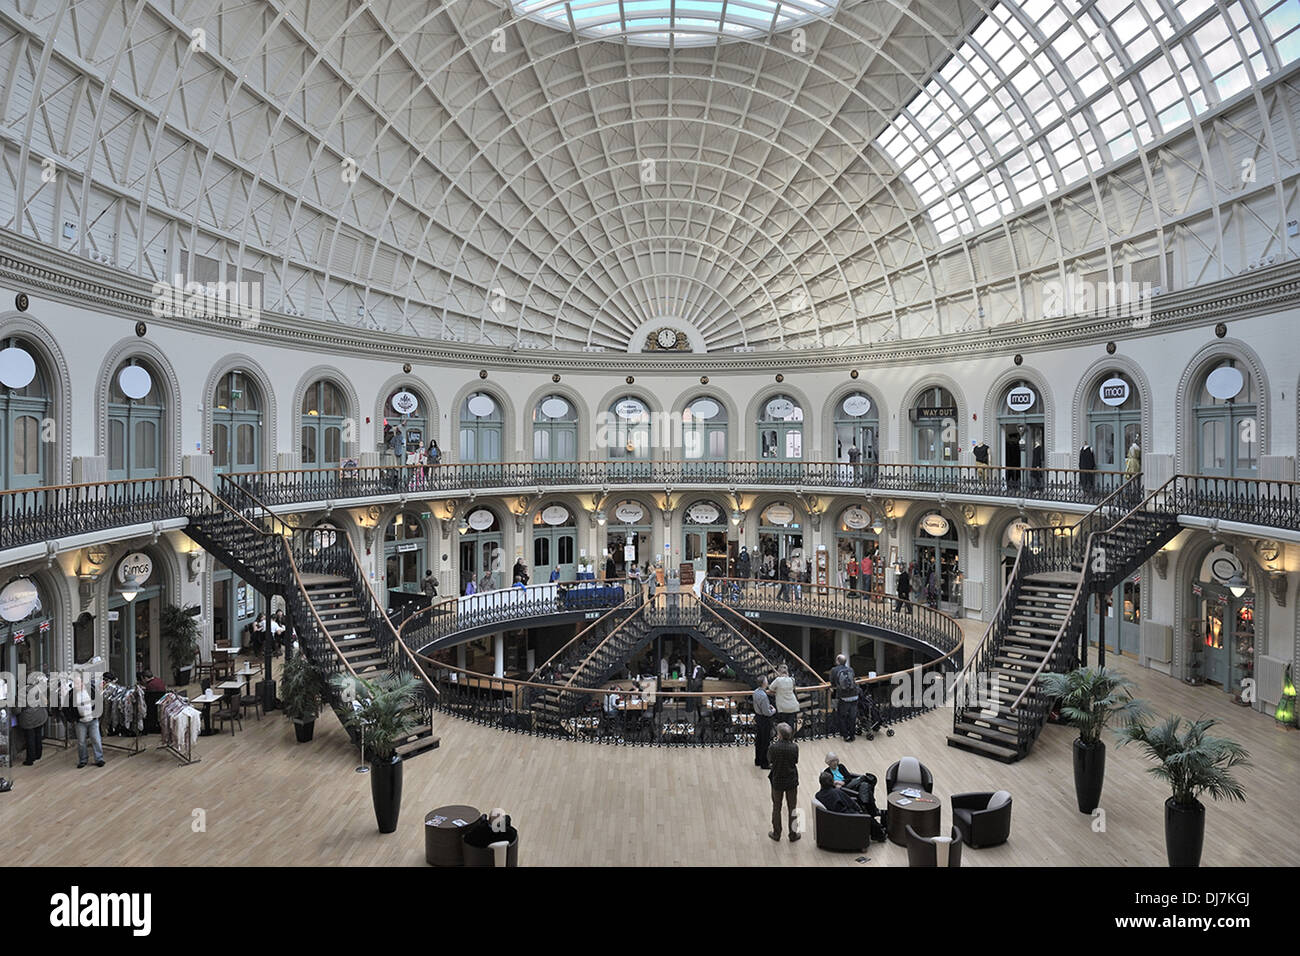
x=935, y=850
x=840, y=831
x=908, y=772
x=984, y=819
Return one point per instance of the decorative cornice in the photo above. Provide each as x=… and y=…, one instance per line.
x=32, y=266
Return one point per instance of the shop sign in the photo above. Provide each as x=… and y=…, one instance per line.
x=138, y=566
x=1225, y=383
x=1114, y=391
x=857, y=405
x=410, y=546
x=703, y=513
x=629, y=512
x=1021, y=399
x=555, y=514
x=780, y=408
x=17, y=368
x=935, y=525
x=1220, y=566
x=778, y=515
x=405, y=403
x=555, y=408
x=856, y=518
x=705, y=409
x=19, y=599
x=936, y=411
x=1015, y=534
x=134, y=381
x=480, y=406
x=629, y=409
x=480, y=520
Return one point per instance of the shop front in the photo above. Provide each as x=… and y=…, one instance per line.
x=1122, y=610
x=555, y=537
x=627, y=539
x=934, y=417
x=406, y=553
x=705, y=542
x=134, y=608
x=938, y=571
x=856, y=538
x=780, y=538
x=1223, y=628
x=235, y=605
x=481, y=550
x=1020, y=433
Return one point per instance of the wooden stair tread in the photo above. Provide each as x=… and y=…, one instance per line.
x=997, y=751
x=990, y=733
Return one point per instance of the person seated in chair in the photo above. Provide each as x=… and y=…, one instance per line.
x=836, y=799
x=490, y=828
x=151, y=683
x=841, y=776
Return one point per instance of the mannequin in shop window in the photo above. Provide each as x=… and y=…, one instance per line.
x=1087, y=465
x=1036, y=462
x=1133, y=463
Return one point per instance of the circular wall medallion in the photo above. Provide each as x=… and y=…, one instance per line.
x=482, y=373
x=480, y=406
x=19, y=599
x=555, y=377
x=141, y=329
x=629, y=512
x=136, y=565
x=853, y=374
x=480, y=520
x=705, y=408
x=1114, y=391
x=1110, y=348
x=780, y=377
x=935, y=525
x=555, y=408
x=703, y=513
x=17, y=368
x=704, y=380
x=778, y=515
x=21, y=302
x=857, y=405
x=1225, y=383
x=630, y=379
x=404, y=403
x=1221, y=330
x=1019, y=359
x=406, y=367
x=780, y=408
x=1021, y=399
x=555, y=514
x=856, y=518
x=134, y=381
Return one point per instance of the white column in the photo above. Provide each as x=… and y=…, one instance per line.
x=499, y=668
x=460, y=655
x=846, y=644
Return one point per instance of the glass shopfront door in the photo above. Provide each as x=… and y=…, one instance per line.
x=133, y=634
x=1122, y=609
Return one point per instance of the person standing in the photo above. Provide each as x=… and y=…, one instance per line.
x=32, y=720
x=763, y=713
x=87, y=725
x=787, y=704
x=845, y=683
x=904, y=585
x=429, y=586
x=865, y=570
x=784, y=777
x=520, y=571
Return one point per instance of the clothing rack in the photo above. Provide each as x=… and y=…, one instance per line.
x=178, y=725
x=123, y=713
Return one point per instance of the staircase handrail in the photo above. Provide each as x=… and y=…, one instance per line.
x=603, y=642
x=631, y=597
x=711, y=600
x=320, y=625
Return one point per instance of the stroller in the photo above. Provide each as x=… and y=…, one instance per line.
x=870, y=719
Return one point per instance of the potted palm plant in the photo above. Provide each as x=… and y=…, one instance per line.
x=1088, y=699
x=382, y=713
x=180, y=629
x=300, y=694
x=1192, y=763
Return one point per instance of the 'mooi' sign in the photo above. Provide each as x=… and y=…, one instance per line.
x=1021, y=399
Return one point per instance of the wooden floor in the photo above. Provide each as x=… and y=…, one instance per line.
x=258, y=798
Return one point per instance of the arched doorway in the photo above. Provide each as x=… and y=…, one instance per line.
x=1114, y=419
x=236, y=424
x=555, y=538
x=482, y=424
x=934, y=416
x=137, y=590
x=1020, y=433
x=406, y=407
x=937, y=549
x=482, y=555
x=1223, y=636
x=26, y=407
x=704, y=538
x=1227, y=429
x=856, y=538
x=780, y=538
x=1122, y=609
x=627, y=538
x=625, y=431
x=555, y=429
x=780, y=429
x=857, y=423
x=406, y=553
x=324, y=425
x=704, y=429
x=136, y=407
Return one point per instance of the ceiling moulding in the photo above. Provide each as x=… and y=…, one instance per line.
x=30, y=266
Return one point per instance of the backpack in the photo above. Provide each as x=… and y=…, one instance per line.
x=844, y=683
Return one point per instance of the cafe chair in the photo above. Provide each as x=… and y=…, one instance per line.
x=840, y=831
x=229, y=711
x=252, y=700
x=984, y=819
x=501, y=853
x=933, y=851
x=908, y=772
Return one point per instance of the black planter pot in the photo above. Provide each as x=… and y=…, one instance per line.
x=303, y=730
x=1089, y=773
x=1184, y=832
x=386, y=791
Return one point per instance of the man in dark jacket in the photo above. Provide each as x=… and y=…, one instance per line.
x=763, y=713
x=783, y=755
x=846, y=698
x=836, y=799
x=904, y=584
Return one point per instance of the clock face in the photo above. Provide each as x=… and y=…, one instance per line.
x=667, y=338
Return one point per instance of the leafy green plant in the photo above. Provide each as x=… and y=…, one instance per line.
x=1092, y=697
x=180, y=629
x=301, y=688
x=1194, y=762
x=383, y=710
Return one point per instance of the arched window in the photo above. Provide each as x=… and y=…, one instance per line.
x=405, y=552
x=25, y=409
x=1114, y=419
x=626, y=431
x=1020, y=441
x=481, y=428
x=135, y=421
x=938, y=574
x=407, y=409
x=481, y=556
x=554, y=539
x=1227, y=427
x=934, y=417
x=780, y=429
x=236, y=424
x=704, y=529
x=324, y=423
x=857, y=422
x=26, y=626
x=555, y=429
x=704, y=429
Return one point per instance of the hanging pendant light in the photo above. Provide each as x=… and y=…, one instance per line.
x=1237, y=584
x=129, y=589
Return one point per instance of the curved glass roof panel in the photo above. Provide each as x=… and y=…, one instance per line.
x=674, y=22
x=1036, y=100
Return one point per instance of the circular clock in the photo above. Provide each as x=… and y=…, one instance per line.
x=666, y=338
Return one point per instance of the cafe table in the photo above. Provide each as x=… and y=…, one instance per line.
x=207, y=699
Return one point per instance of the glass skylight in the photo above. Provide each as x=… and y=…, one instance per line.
x=1035, y=100
x=674, y=22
